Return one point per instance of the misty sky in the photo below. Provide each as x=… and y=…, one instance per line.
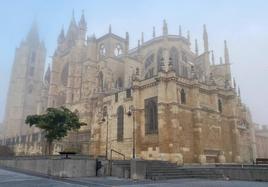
x=243, y=23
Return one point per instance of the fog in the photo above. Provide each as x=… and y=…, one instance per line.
x=242, y=23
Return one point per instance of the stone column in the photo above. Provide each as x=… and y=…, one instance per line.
x=235, y=143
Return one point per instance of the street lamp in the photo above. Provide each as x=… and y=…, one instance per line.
x=131, y=111
x=105, y=114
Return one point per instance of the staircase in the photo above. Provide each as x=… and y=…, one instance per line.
x=160, y=170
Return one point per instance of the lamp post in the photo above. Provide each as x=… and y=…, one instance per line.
x=105, y=114
x=130, y=112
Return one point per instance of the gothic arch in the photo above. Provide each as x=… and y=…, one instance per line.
x=151, y=116
x=159, y=58
x=120, y=123
x=183, y=96
x=174, y=55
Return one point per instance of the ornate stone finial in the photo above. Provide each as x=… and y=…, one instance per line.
x=220, y=60
x=180, y=33
x=205, y=38
x=226, y=53
x=239, y=94
x=212, y=57
x=165, y=28
x=234, y=83
x=188, y=36
x=196, y=47
x=153, y=32
x=142, y=38
x=139, y=45
x=110, y=28
x=47, y=75
x=127, y=37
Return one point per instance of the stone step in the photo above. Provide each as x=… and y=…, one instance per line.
x=164, y=177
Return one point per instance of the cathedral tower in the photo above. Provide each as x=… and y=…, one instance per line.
x=25, y=83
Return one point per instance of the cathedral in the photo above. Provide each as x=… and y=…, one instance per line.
x=158, y=101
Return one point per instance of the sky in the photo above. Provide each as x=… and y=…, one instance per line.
x=243, y=23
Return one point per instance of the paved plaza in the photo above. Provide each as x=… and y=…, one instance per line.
x=15, y=179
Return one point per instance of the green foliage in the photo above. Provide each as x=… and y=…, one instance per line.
x=56, y=122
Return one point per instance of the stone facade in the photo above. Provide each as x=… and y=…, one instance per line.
x=159, y=100
x=262, y=141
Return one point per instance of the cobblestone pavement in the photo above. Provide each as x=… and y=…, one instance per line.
x=15, y=179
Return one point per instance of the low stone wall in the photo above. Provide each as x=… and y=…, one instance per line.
x=54, y=167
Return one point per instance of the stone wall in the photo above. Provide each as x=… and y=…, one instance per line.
x=53, y=167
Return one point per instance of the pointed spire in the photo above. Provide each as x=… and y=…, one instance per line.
x=239, y=94
x=220, y=60
x=165, y=28
x=82, y=22
x=180, y=33
x=61, y=36
x=139, y=44
x=196, y=47
x=188, y=36
x=110, y=29
x=212, y=57
x=205, y=38
x=226, y=53
x=153, y=32
x=142, y=38
x=73, y=17
x=33, y=35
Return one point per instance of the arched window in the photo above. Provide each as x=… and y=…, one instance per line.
x=118, y=50
x=159, y=58
x=119, y=83
x=183, y=96
x=219, y=105
x=120, y=123
x=173, y=54
x=151, y=118
x=100, y=81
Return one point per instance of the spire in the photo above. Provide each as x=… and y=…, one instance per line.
x=212, y=57
x=226, y=53
x=220, y=60
x=61, y=36
x=142, y=38
x=188, y=36
x=196, y=47
x=153, y=32
x=165, y=28
x=82, y=22
x=110, y=29
x=205, y=38
x=239, y=94
x=139, y=44
x=33, y=35
x=180, y=33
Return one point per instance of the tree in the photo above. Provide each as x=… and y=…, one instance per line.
x=55, y=123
